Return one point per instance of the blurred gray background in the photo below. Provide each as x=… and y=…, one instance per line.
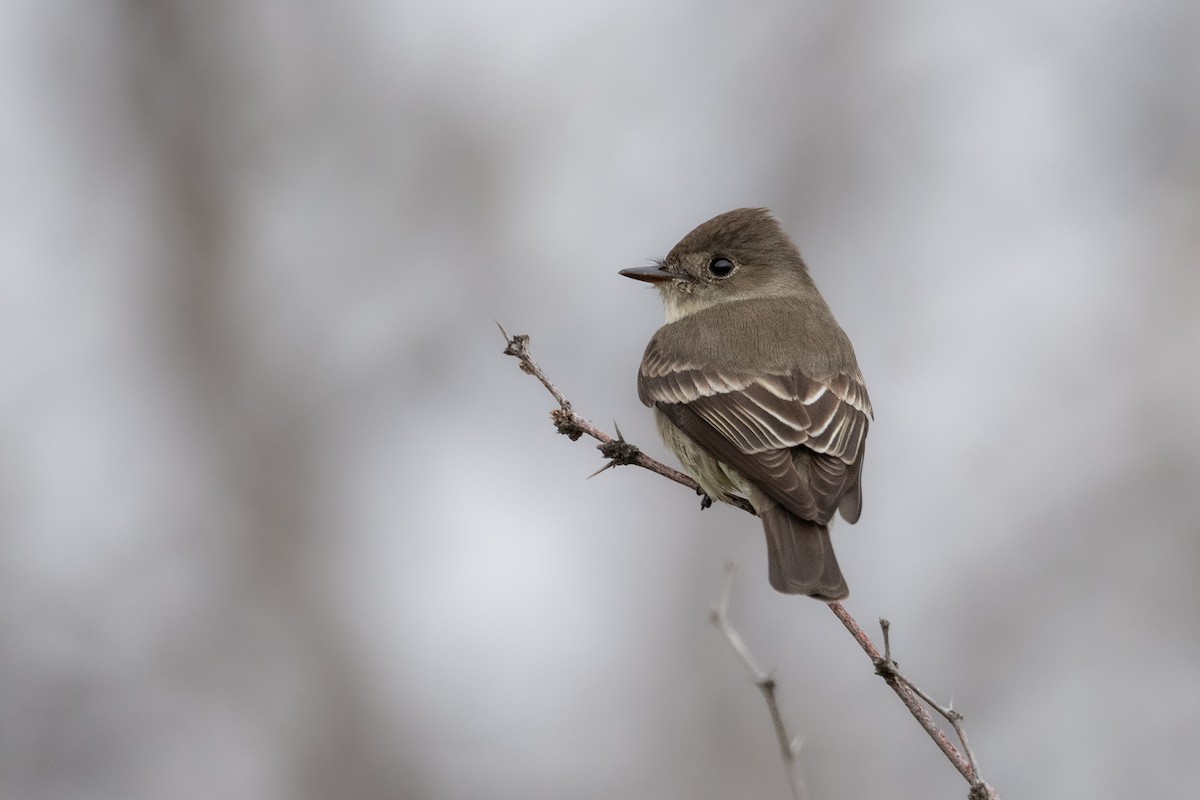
x=280, y=521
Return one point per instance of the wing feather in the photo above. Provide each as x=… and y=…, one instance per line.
x=800, y=439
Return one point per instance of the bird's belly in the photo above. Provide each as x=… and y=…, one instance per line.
x=716, y=479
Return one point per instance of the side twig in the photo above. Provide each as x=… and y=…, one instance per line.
x=911, y=696
x=788, y=747
x=619, y=452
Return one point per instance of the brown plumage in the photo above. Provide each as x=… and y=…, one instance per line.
x=756, y=389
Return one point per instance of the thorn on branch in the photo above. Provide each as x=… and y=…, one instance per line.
x=619, y=452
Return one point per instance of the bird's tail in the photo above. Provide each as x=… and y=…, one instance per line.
x=800, y=556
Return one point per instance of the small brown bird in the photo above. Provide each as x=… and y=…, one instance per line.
x=756, y=390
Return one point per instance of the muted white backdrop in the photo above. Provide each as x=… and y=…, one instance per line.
x=279, y=521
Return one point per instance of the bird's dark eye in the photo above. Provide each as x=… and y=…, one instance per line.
x=720, y=266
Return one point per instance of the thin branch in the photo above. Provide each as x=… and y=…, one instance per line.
x=912, y=696
x=788, y=747
x=892, y=669
x=619, y=452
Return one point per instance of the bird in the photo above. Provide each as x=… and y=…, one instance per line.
x=757, y=391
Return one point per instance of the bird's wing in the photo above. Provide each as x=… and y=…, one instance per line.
x=799, y=439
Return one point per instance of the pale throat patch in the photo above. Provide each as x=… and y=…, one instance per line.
x=680, y=301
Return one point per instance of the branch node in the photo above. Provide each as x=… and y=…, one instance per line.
x=566, y=423
x=518, y=347
x=981, y=791
x=620, y=452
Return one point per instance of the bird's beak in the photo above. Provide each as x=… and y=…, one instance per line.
x=655, y=274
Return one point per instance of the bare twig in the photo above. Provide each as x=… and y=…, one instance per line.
x=888, y=668
x=911, y=696
x=788, y=747
x=620, y=452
